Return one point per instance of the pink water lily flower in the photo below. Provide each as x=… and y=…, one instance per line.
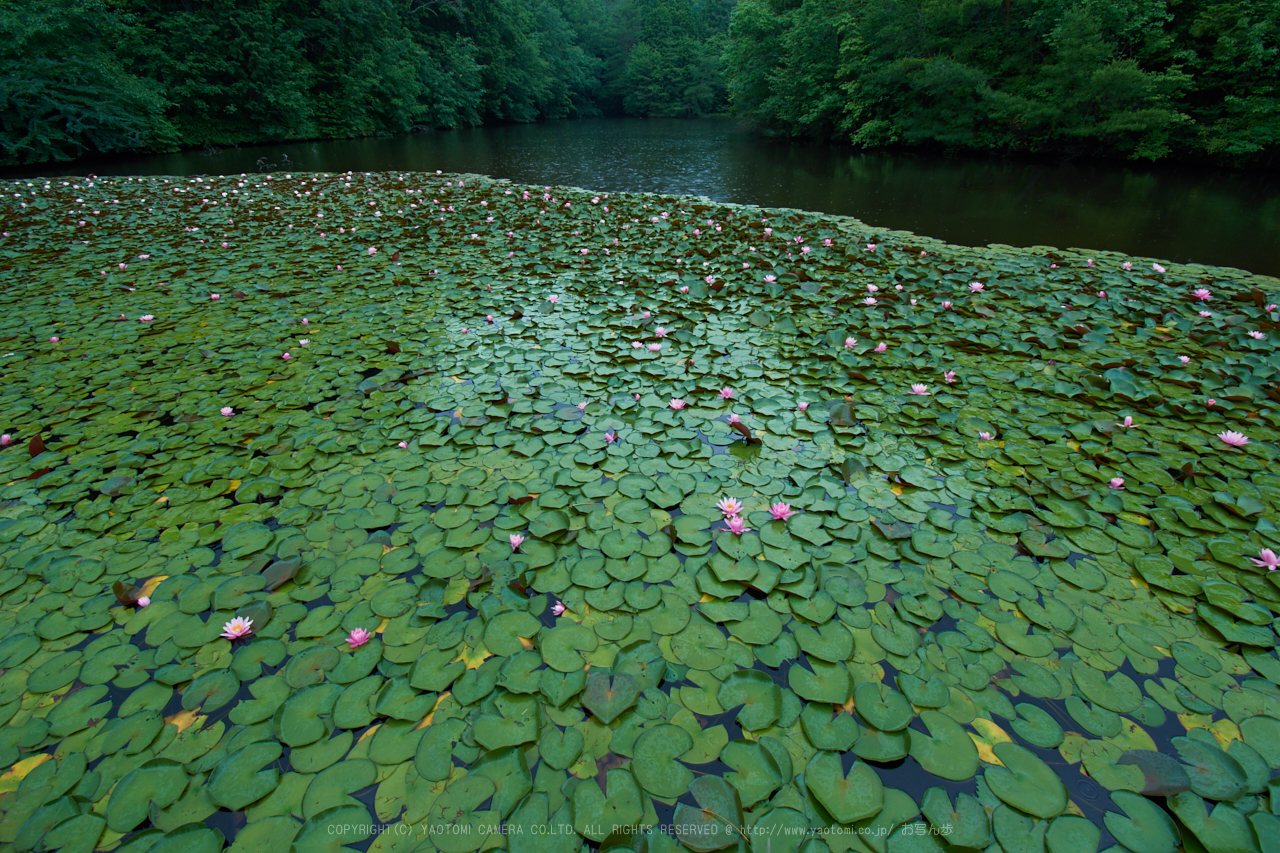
x=733, y=419
x=730, y=507
x=726, y=393
x=660, y=332
x=781, y=511
x=646, y=315
x=1185, y=359
x=305, y=321
x=871, y=288
x=804, y=407
x=237, y=628
x=949, y=377
x=881, y=347
x=515, y=539
x=871, y=247
x=146, y=318
x=850, y=343
x=372, y=250
x=769, y=279
x=1233, y=438
x=677, y=403
x=1211, y=402
x=1157, y=268
x=610, y=437
x=54, y=339
x=558, y=608
x=1267, y=559
x=1206, y=314
x=1256, y=335
x=985, y=436
x=946, y=304
x=1127, y=422
x=358, y=637
x=488, y=318
x=870, y=300
x=286, y=357
x=655, y=347
x=736, y=525
x=227, y=411
x=582, y=407
x=919, y=389
x=1116, y=483
x=976, y=287
x=637, y=345
x=684, y=289
x=302, y=342
x=6, y=440
x=215, y=296
x=1202, y=294
x=144, y=601
x=1271, y=307
x=553, y=299
x=1127, y=265
x=1102, y=294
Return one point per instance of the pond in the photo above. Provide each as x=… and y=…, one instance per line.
x=406, y=512
x=1182, y=214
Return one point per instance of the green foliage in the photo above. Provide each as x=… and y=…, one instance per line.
x=1133, y=78
x=57, y=104
x=85, y=76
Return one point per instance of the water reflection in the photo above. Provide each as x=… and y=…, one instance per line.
x=1181, y=214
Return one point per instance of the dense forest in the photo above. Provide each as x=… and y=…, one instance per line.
x=1130, y=78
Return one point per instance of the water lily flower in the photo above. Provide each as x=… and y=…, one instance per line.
x=582, y=407
x=677, y=403
x=227, y=411
x=654, y=347
x=553, y=299
x=144, y=601
x=214, y=297
x=1102, y=294
x=913, y=302
x=804, y=407
x=1267, y=559
x=870, y=300
x=1202, y=294
x=850, y=343
x=781, y=511
x=1127, y=265
x=646, y=315
x=726, y=393
x=339, y=267
x=1233, y=438
x=871, y=247
x=946, y=304
x=976, y=287
x=286, y=356
x=358, y=637
x=986, y=436
x=826, y=242
x=488, y=318
x=1089, y=262
x=515, y=539
x=54, y=339
x=897, y=287
x=733, y=419
x=1157, y=268
x=1116, y=483
x=730, y=507
x=1256, y=335
x=770, y=279
x=305, y=321
x=237, y=628
x=558, y=608
x=1211, y=402
x=881, y=347
x=1185, y=359
x=1271, y=307
x=1206, y=314
x=919, y=389
x=684, y=289
x=1127, y=422
x=6, y=440
x=660, y=332
x=949, y=377
x=146, y=318
x=637, y=396
x=637, y=345
x=610, y=437
x=465, y=330
x=736, y=525
x=768, y=232
x=302, y=342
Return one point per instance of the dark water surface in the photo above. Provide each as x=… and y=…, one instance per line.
x=1181, y=214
